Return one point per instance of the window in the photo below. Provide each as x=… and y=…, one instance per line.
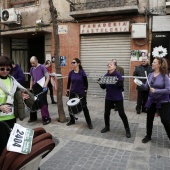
x=22, y=3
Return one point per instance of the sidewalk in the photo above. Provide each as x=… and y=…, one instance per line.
x=80, y=148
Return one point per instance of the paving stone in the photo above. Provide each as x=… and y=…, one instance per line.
x=79, y=148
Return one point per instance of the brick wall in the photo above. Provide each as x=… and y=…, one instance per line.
x=69, y=47
x=137, y=44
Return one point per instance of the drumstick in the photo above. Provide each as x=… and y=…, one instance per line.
x=147, y=79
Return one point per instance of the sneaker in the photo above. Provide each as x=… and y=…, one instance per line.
x=70, y=123
x=104, y=130
x=90, y=126
x=32, y=120
x=146, y=139
x=47, y=121
x=54, y=102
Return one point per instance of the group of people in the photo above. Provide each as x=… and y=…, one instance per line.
x=13, y=95
x=77, y=78
x=9, y=71
x=152, y=94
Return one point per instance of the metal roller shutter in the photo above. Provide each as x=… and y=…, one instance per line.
x=97, y=51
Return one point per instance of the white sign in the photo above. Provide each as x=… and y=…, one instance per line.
x=62, y=29
x=106, y=27
x=48, y=57
x=20, y=139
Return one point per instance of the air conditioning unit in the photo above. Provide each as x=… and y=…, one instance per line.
x=10, y=16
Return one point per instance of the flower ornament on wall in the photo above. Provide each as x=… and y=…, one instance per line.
x=159, y=52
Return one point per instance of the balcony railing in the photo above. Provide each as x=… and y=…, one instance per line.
x=101, y=4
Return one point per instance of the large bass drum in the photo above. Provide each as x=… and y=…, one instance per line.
x=74, y=106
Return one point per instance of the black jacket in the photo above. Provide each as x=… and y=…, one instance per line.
x=140, y=71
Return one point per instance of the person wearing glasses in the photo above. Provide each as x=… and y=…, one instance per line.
x=48, y=66
x=142, y=95
x=8, y=87
x=114, y=97
x=159, y=86
x=77, y=87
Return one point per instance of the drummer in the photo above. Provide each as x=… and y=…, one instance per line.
x=114, y=96
x=77, y=87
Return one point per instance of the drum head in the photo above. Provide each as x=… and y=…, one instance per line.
x=73, y=102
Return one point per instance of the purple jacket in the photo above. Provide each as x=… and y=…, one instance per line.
x=161, y=85
x=114, y=91
x=77, y=81
x=18, y=74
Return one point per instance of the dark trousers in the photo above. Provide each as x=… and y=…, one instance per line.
x=164, y=115
x=84, y=107
x=142, y=98
x=5, y=133
x=10, y=122
x=50, y=87
x=119, y=104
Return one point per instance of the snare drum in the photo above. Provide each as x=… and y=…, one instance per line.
x=74, y=106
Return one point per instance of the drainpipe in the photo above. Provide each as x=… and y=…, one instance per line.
x=150, y=35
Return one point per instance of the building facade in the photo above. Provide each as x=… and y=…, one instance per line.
x=95, y=31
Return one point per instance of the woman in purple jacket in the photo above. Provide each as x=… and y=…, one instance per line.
x=77, y=87
x=114, y=97
x=158, y=97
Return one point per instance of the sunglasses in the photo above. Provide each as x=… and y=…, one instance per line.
x=3, y=69
x=73, y=62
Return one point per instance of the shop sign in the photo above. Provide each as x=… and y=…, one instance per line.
x=107, y=27
x=62, y=29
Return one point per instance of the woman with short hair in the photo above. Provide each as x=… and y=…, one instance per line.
x=114, y=97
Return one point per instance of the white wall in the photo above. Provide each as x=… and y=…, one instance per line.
x=143, y=4
x=63, y=9
x=32, y=13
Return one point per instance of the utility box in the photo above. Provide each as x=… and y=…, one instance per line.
x=138, y=30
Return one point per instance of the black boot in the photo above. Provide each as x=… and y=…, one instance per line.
x=106, y=129
x=33, y=117
x=52, y=99
x=54, y=102
x=128, y=134
x=90, y=126
x=146, y=139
